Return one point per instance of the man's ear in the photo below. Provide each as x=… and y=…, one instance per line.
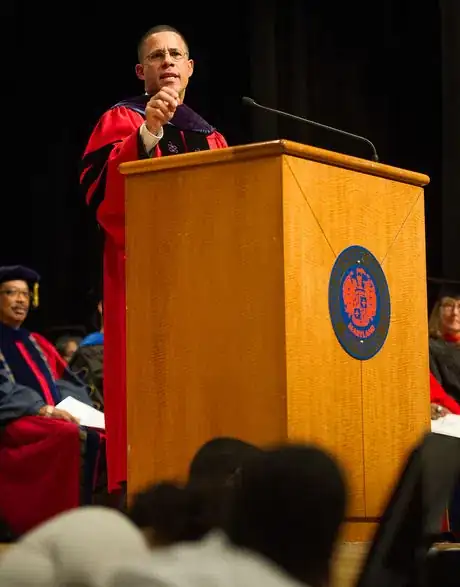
x=140, y=71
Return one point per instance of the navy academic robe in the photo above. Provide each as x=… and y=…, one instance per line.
x=41, y=470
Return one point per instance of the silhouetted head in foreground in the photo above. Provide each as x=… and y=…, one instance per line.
x=170, y=513
x=288, y=505
x=220, y=459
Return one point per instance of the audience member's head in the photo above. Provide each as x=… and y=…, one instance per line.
x=170, y=513
x=288, y=505
x=99, y=319
x=219, y=459
x=67, y=345
x=445, y=316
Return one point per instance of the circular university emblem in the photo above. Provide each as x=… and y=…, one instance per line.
x=359, y=302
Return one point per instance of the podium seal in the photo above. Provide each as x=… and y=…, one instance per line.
x=359, y=303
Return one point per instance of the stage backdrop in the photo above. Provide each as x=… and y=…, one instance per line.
x=377, y=73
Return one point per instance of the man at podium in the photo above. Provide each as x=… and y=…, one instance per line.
x=155, y=124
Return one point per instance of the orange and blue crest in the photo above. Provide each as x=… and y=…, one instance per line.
x=359, y=302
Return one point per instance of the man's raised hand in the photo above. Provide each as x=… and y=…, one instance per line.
x=160, y=109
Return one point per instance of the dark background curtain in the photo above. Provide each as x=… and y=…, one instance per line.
x=451, y=137
x=386, y=70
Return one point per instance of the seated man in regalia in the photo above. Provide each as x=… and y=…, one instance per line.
x=47, y=461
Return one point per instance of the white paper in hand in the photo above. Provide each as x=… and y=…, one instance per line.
x=448, y=425
x=87, y=415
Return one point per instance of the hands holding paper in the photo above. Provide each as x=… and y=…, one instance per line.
x=81, y=413
x=76, y=412
x=52, y=412
x=438, y=411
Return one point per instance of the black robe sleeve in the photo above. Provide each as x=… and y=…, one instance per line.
x=434, y=367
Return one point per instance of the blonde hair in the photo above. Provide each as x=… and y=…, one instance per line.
x=434, y=323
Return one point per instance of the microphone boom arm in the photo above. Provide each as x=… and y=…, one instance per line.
x=251, y=102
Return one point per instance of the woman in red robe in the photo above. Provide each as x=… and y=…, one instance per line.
x=444, y=327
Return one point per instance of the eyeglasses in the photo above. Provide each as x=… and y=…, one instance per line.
x=160, y=55
x=451, y=306
x=16, y=293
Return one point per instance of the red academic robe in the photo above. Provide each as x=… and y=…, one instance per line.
x=440, y=397
x=40, y=462
x=115, y=140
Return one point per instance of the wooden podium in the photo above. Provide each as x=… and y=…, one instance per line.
x=229, y=256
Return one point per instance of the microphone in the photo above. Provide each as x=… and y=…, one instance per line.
x=250, y=102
